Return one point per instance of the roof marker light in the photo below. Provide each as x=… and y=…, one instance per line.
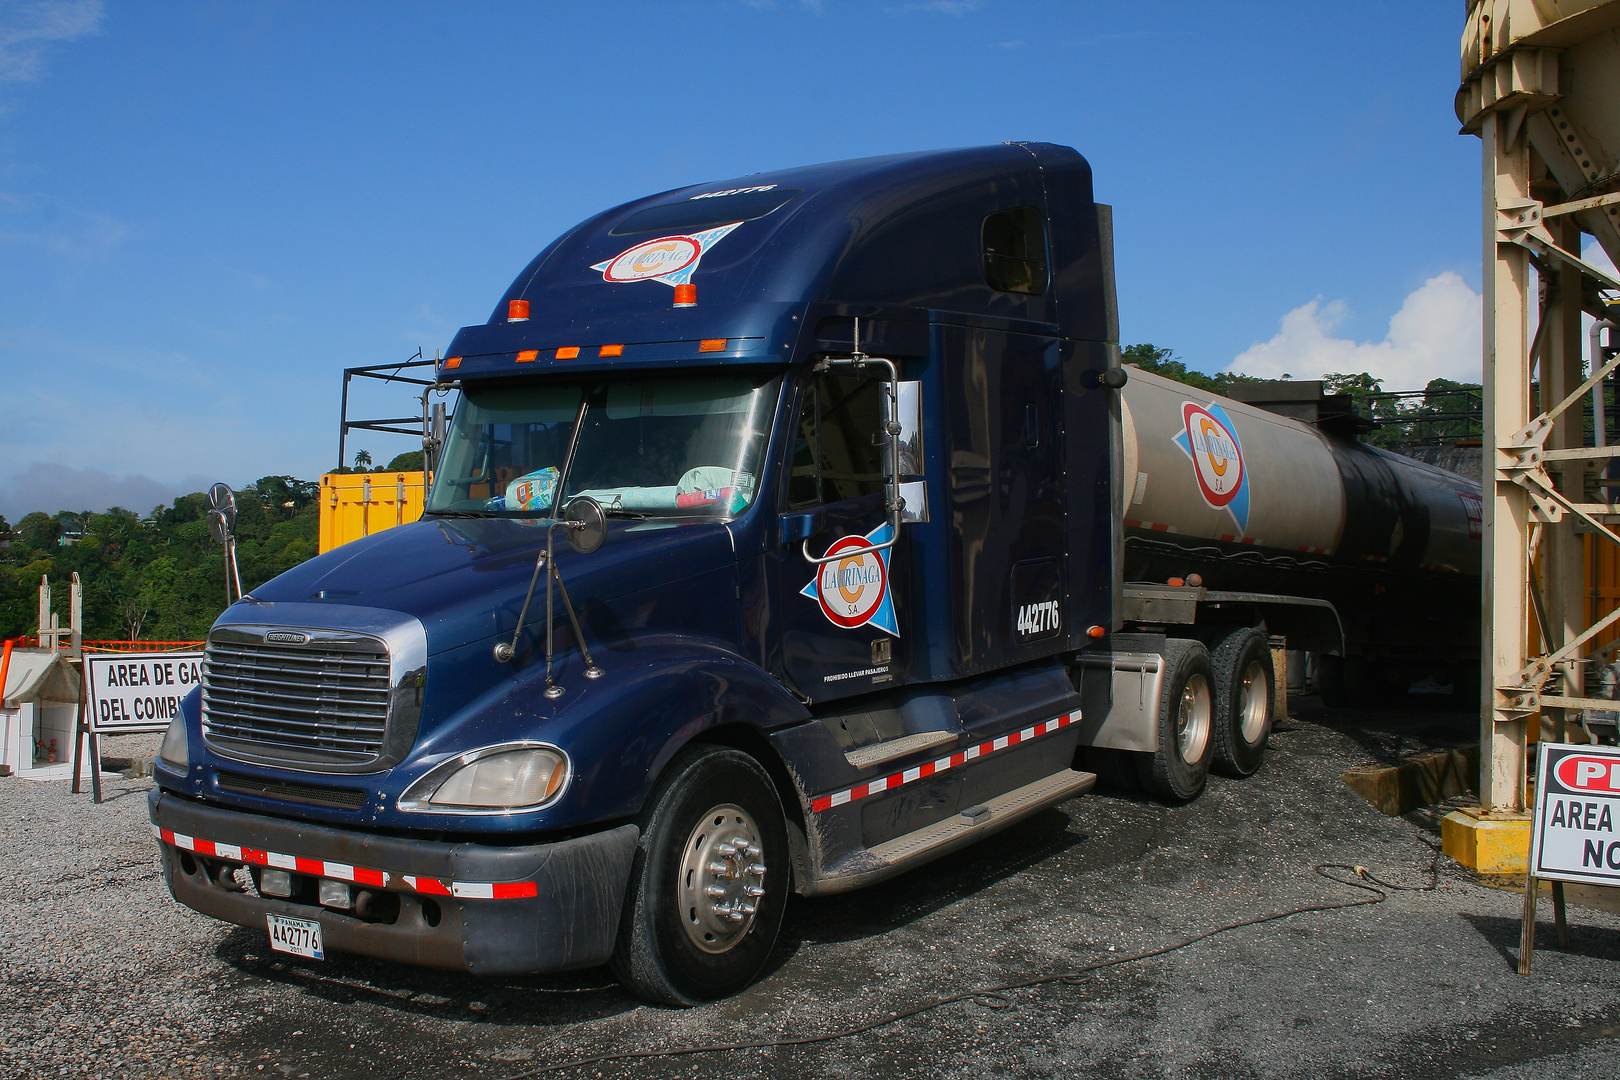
x=528, y=356
x=517, y=311
x=571, y=352
x=610, y=350
x=713, y=344
x=686, y=295
x=451, y=363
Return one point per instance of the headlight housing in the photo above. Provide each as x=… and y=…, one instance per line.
x=493, y=780
x=174, y=750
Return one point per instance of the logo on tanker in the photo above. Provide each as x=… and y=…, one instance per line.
x=854, y=590
x=670, y=259
x=1210, y=440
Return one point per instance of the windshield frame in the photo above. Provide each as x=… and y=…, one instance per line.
x=769, y=385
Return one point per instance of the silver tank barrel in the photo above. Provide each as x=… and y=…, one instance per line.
x=1245, y=496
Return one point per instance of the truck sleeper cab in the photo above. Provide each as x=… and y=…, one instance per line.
x=777, y=543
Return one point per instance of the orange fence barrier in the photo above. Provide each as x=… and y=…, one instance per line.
x=120, y=646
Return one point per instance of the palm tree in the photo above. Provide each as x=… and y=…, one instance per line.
x=362, y=459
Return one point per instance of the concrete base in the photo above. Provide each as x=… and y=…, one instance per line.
x=1422, y=781
x=1493, y=844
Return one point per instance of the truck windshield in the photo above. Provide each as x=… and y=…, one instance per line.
x=665, y=446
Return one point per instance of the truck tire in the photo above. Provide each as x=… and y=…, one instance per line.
x=1244, y=683
x=709, y=882
x=1177, y=770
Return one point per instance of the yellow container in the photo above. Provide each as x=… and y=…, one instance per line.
x=359, y=504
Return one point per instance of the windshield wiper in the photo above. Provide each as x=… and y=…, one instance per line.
x=455, y=513
x=616, y=511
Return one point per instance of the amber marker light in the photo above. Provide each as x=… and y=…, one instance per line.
x=569, y=353
x=713, y=344
x=517, y=311
x=451, y=363
x=610, y=350
x=1096, y=631
x=686, y=295
x=528, y=356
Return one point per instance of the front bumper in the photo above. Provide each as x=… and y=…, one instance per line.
x=473, y=907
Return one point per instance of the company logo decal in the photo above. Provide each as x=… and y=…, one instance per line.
x=286, y=637
x=670, y=259
x=854, y=590
x=1209, y=439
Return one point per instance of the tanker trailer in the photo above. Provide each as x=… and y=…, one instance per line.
x=1286, y=518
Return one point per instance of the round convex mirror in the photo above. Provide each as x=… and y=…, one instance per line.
x=588, y=524
x=223, y=499
x=217, y=527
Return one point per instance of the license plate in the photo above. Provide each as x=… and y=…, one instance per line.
x=301, y=937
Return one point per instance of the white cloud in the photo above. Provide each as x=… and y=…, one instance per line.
x=28, y=28
x=1435, y=334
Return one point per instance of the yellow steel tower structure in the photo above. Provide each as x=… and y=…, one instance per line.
x=1541, y=88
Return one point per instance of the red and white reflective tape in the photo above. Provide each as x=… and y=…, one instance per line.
x=1313, y=550
x=1155, y=526
x=1228, y=538
x=929, y=768
x=359, y=875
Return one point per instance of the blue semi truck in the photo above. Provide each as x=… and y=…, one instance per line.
x=788, y=532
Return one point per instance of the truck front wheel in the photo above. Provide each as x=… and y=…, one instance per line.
x=1178, y=769
x=709, y=882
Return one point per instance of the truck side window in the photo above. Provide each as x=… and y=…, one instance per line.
x=1015, y=250
x=836, y=455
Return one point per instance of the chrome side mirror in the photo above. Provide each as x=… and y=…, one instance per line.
x=905, y=408
x=587, y=523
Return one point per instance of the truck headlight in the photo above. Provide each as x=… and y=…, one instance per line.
x=495, y=779
x=174, y=750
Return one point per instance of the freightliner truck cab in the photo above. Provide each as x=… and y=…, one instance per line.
x=771, y=524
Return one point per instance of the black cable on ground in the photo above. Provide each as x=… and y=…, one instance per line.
x=995, y=997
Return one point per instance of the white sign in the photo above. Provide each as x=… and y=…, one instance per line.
x=139, y=691
x=1576, y=832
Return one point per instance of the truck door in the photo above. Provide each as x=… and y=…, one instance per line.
x=841, y=622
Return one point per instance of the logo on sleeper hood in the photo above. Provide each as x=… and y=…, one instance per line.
x=1209, y=438
x=670, y=259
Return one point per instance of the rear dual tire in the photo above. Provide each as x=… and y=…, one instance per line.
x=1245, y=685
x=1177, y=770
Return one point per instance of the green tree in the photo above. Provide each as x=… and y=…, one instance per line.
x=1164, y=362
x=362, y=459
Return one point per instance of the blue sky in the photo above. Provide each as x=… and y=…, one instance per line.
x=207, y=210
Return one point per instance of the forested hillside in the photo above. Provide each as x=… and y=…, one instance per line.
x=154, y=578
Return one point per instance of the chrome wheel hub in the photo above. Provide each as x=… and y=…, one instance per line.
x=1192, y=719
x=1256, y=703
x=722, y=878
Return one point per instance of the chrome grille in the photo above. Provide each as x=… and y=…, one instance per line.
x=322, y=702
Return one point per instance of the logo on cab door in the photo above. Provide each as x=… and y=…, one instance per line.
x=670, y=259
x=1209, y=438
x=854, y=590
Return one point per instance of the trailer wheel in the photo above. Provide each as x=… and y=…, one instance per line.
x=709, y=883
x=1244, y=682
x=1178, y=769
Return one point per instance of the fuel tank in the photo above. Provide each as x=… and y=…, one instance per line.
x=1257, y=501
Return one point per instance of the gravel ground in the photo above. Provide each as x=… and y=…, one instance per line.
x=104, y=975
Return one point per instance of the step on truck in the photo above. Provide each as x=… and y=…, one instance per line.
x=788, y=532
